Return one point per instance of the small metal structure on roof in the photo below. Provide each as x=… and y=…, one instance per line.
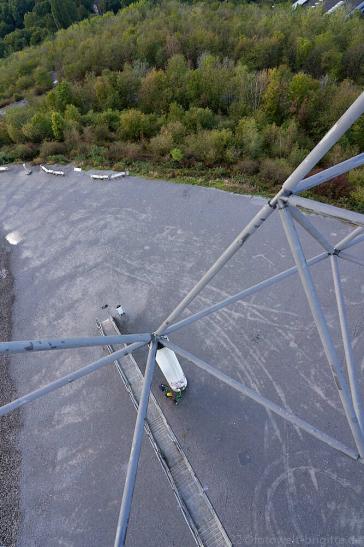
x=287, y=205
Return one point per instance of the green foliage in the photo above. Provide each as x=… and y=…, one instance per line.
x=161, y=144
x=51, y=149
x=64, y=12
x=29, y=22
x=135, y=125
x=15, y=120
x=209, y=146
x=275, y=170
x=38, y=128
x=249, y=138
x=60, y=97
x=58, y=125
x=25, y=152
x=230, y=86
x=72, y=114
x=197, y=118
x=177, y=154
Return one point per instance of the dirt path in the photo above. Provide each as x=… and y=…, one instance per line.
x=9, y=425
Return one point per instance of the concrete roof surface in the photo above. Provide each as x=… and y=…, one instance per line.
x=144, y=244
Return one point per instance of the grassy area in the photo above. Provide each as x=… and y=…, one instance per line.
x=225, y=94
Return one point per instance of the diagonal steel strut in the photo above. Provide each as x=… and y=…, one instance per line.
x=135, y=451
x=321, y=324
x=331, y=137
x=245, y=390
x=68, y=378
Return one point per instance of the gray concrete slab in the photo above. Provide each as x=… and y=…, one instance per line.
x=144, y=244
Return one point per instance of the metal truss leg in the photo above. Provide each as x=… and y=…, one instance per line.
x=321, y=325
x=241, y=295
x=347, y=342
x=350, y=239
x=311, y=229
x=248, y=392
x=68, y=378
x=136, y=447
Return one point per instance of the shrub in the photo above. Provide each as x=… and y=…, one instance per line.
x=60, y=96
x=58, y=125
x=119, y=151
x=176, y=154
x=274, y=170
x=338, y=188
x=335, y=189
x=296, y=156
x=102, y=133
x=72, y=140
x=25, y=152
x=248, y=137
x=52, y=148
x=357, y=199
x=43, y=80
x=6, y=156
x=72, y=114
x=356, y=177
x=196, y=119
x=97, y=154
x=247, y=166
x=39, y=128
x=208, y=146
x=135, y=125
x=15, y=119
x=161, y=144
x=4, y=135
x=176, y=129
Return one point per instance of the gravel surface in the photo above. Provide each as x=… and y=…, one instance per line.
x=10, y=458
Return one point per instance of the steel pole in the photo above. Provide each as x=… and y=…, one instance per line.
x=136, y=447
x=325, y=209
x=311, y=229
x=338, y=129
x=356, y=236
x=238, y=242
x=88, y=369
x=350, y=258
x=347, y=342
x=322, y=327
x=346, y=120
x=242, y=294
x=248, y=392
x=330, y=173
x=28, y=346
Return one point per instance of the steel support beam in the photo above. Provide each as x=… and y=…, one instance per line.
x=321, y=324
x=28, y=346
x=238, y=242
x=325, y=209
x=338, y=129
x=353, y=372
x=330, y=173
x=88, y=369
x=136, y=447
x=351, y=239
x=245, y=293
x=331, y=137
x=248, y=392
x=311, y=229
x=350, y=258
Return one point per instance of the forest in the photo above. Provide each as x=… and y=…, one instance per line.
x=230, y=94
x=29, y=22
